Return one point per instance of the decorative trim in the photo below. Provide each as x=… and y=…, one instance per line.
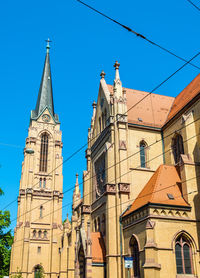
x=122, y=145
x=86, y=209
x=110, y=188
x=124, y=187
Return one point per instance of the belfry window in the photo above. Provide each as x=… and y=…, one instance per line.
x=177, y=147
x=44, y=183
x=183, y=254
x=44, y=152
x=143, y=154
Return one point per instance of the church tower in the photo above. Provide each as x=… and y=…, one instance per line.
x=39, y=217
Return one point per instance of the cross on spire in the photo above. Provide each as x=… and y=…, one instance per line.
x=48, y=44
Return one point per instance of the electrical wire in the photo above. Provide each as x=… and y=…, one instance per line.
x=77, y=151
x=189, y=1
x=136, y=33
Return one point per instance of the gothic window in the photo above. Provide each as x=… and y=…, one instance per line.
x=105, y=117
x=37, y=271
x=103, y=224
x=34, y=233
x=103, y=121
x=136, y=256
x=98, y=224
x=44, y=152
x=45, y=234
x=44, y=183
x=95, y=225
x=177, y=147
x=40, y=234
x=41, y=211
x=143, y=154
x=100, y=174
x=40, y=182
x=183, y=254
x=99, y=124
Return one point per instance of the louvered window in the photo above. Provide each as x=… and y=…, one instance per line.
x=44, y=152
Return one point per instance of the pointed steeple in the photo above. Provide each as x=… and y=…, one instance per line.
x=45, y=95
x=76, y=194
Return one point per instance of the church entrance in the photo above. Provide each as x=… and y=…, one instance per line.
x=81, y=259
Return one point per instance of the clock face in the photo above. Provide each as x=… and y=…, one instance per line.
x=46, y=118
x=100, y=173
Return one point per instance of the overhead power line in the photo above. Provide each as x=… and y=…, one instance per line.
x=136, y=33
x=78, y=150
x=193, y=5
x=130, y=156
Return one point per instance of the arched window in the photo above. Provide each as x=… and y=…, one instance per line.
x=136, y=256
x=183, y=254
x=95, y=225
x=177, y=147
x=44, y=183
x=103, y=224
x=44, y=152
x=40, y=182
x=105, y=117
x=98, y=224
x=99, y=124
x=103, y=121
x=40, y=234
x=41, y=211
x=34, y=233
x=45, y=234
x=143, y=154
x=38, y=271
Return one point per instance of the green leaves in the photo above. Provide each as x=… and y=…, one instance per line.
x=6, y=240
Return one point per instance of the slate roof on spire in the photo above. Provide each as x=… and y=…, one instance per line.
x=45, y=95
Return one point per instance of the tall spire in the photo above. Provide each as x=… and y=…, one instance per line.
x=45, y=95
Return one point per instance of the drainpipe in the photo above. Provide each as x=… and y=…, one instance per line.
x=120, y=223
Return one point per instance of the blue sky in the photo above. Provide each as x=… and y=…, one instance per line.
x=83, y=43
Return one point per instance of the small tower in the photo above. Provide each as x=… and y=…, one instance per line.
x=76, y=195
x=39, y=219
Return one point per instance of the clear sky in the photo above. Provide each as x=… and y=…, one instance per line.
x=83, y=44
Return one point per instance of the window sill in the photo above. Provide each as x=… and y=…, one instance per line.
x=185, y=276
x=143, y=169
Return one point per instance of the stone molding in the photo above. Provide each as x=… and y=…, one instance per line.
x=121, y=118
x=124, y=187
x=31, y=140
x=122, y=145
x=86, y=209
x=54, y=226
x=150, y=263
x=58, y=143
x=110, y=188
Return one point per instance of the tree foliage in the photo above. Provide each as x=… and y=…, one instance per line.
x=6, y=240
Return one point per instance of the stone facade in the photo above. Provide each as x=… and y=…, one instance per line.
x=124, y=151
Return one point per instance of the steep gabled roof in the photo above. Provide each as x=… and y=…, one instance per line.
x=98, y=248
x=142, y=114
x=45, y=95
x=182, y=99
x=162, y=188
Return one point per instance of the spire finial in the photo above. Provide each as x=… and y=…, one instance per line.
x=102, y=74
x=116, y=66
x=76, y=178
x=48, y=44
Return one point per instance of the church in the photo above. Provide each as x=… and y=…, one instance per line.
x=140, y=194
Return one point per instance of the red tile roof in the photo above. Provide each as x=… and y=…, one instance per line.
x=142, y=113
x=98, y=248
x=192, y=90
x=163, y=182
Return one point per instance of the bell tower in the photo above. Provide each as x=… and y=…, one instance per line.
x=39, y=217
